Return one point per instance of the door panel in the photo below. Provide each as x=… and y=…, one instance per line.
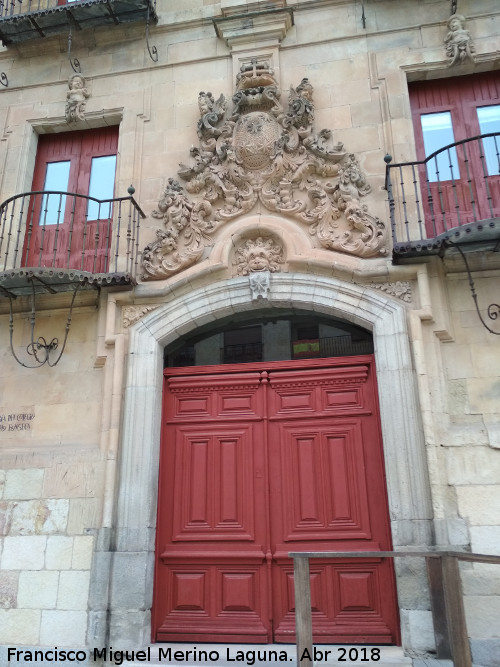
x=212, y=578
x=257, y=464
x=327, y=494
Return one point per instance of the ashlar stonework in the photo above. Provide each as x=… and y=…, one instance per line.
x=261, y=153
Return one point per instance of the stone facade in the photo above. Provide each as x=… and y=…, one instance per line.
x=77, y=493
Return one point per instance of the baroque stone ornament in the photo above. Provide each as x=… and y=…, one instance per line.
x=76, y=99
x=458, y=42
x=132, y=314
x=400, y=289
x=260, y=254
x=261, y=153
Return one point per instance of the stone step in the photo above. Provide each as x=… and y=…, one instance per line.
x=247, y=655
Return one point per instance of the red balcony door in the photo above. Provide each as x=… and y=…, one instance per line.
x=66, y=230
x=259, y=462
x=464, y=183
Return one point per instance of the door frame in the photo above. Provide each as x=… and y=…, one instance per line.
x=408, y=486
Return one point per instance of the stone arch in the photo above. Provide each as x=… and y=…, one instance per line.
x=406, y=470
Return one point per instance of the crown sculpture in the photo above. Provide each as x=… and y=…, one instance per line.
x=261, y=153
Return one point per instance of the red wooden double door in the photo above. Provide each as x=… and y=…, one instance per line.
x=259, y=460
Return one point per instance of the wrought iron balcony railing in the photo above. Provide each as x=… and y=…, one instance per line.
x=61, y=232
x=452, y=195
x=21, y=20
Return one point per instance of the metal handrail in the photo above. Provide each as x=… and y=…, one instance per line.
x=423, y=209
x=446, y=598
x=103, y=244
x=432, y=156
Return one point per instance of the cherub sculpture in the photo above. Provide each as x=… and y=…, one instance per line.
x=458, y=41
x=76, y=98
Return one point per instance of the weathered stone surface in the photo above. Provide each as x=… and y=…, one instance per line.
x=23, y=484
x=418, y=630
x=482, y=613
x=24, y=553
x=480, y=504
x=59, y=552
x=19, y=626
x=485, y=652
x=40, y=517
x=8, y=589
x=82, y=552
x=38, y=590
x=129, y=581
x=73, y=590
x=63, y=628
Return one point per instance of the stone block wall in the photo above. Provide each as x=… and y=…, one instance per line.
x=50, y=486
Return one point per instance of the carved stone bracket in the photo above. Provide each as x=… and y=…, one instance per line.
x=132, y=314
x=259, y=152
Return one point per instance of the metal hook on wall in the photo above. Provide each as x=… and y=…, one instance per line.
x=3, y=79
x=39, y=348
x=493, y=309
x=454, y=4
x=75, y=63
x=153, y=51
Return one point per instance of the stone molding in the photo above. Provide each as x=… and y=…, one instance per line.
x=259, y=153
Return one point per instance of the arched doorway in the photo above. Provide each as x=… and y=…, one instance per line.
x=184, y=311
x=280, y=452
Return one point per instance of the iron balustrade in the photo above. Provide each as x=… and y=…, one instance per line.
x=22, y=20
x=453, y=191
x=66, y=230
x=446, y=597
x=12, y=8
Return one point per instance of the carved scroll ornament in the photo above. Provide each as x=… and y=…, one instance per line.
x=262, y=153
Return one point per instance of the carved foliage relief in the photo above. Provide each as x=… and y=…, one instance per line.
x=261, y=152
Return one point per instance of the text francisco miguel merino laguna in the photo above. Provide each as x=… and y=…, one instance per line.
x=165, y=654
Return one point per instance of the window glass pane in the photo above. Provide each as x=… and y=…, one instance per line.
x=102, y=184
x=489, y=121
x=56, y=178
x=438, y=132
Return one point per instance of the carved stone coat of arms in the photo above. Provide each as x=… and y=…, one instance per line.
x=261, y=152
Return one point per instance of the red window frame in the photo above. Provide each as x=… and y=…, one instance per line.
x=75, y=241
x=468, y=196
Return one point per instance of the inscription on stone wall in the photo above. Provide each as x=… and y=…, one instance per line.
x=16, y=420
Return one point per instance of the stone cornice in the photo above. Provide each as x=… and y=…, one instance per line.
x=269, y=25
